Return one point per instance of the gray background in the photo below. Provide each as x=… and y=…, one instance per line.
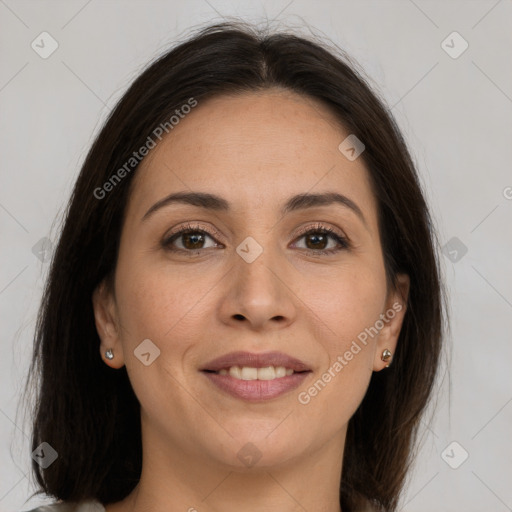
x=455, y=114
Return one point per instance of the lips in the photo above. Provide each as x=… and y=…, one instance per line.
x=248, y=376
x=253, y=360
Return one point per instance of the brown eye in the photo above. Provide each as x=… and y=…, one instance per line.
x=188, y=240
x=317, y=241
x=193, y=240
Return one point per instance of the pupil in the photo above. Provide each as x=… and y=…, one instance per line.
x=316, y=238
x=194, y=239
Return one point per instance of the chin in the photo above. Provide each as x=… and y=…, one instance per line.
x=254, y=448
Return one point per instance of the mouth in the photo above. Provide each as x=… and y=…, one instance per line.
x=256, y=377
x=252, y=373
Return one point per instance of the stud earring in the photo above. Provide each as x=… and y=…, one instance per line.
x=386, y=356
x=109, y=354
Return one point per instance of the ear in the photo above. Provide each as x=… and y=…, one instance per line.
x=107, y=324
x=392, y=318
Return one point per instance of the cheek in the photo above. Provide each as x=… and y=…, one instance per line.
x=345, y=311
x=155, y=299
x=168, y=306
x=346, y=304
x=166, y=309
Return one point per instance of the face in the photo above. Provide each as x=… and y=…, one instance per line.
x=297, y=284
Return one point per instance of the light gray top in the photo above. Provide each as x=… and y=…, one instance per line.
x=95, y=506
x=82, y=506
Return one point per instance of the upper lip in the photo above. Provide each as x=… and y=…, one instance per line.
x=254, y=360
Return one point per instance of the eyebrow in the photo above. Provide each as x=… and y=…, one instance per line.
x=294, y=203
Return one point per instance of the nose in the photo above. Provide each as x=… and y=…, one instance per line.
x=259, y=295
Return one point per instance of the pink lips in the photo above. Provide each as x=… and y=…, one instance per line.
x=256, y=390
x=255, y=361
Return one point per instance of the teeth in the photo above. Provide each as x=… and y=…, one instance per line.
x=235, y=371
x=248, y=373
x=267, y=373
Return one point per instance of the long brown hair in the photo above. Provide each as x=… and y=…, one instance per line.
x=97, y=433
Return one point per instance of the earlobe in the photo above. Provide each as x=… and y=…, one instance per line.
x=392, y=319
x=107, y=326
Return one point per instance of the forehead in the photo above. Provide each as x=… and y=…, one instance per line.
x=255, y=149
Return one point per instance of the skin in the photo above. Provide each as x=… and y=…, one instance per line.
x=255, y=150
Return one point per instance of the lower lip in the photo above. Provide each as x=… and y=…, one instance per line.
x=256, y=390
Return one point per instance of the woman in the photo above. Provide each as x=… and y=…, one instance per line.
x=244, y=310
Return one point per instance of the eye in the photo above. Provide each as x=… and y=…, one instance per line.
x=189, y=238
x=318, y=240
x=323, y=240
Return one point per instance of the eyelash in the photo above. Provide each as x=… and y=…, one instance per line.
x=318, y=228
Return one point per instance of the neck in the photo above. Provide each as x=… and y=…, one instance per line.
x=175, y=480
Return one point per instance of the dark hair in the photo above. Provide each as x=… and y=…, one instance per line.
x=88, y=413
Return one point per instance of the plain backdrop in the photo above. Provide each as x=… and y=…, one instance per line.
x=454, y=105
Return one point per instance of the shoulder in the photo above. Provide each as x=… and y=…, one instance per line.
x=83, y=506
